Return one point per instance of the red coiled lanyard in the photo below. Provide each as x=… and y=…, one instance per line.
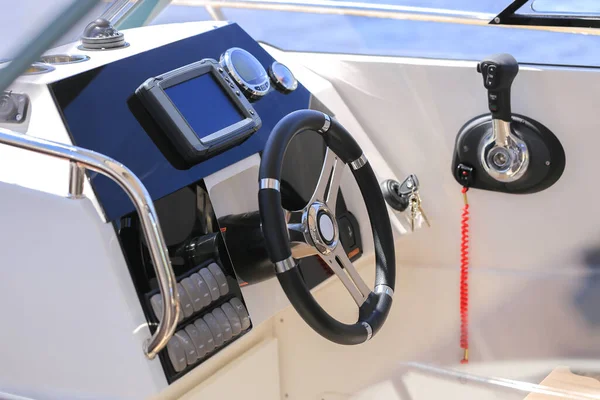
x=464, y=278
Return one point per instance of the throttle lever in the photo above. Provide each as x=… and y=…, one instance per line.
x=503, y=154
x=499, y=72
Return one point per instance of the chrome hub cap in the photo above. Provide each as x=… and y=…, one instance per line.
x=322, y=227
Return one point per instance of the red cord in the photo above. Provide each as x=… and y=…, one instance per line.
x=464, y=279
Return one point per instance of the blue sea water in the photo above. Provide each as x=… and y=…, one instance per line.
x=375, y=36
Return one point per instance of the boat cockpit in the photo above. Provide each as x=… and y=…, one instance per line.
x=189, y=212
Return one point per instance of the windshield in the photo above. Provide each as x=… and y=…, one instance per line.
x=574, y=7
x=445, y=29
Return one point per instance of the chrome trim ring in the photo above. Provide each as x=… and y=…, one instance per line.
x=247, y=87
x=85, y=48
x=38, y=68
x=35, y=68
x=369, y=330
x=279, y=80
x=359, y=162
x=269, y=183
x=59, y=59
x=384, y=289
x=326, y=124
x=285, y=265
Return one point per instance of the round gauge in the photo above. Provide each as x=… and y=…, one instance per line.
x=246, y=71
x=282, y=77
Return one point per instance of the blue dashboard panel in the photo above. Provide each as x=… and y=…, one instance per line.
x=99, y=110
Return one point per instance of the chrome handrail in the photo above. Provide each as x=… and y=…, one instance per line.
x=81, y=159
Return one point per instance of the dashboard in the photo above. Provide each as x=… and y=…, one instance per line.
x=102, y=113
x=174, y=115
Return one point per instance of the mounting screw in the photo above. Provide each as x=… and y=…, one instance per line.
x=465, y=148
x=281, y=320
x=497, y=20
x=286, y=395
x=251, y=112
x=547, y=163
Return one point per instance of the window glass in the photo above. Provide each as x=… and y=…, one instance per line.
x=342, y=26
x=348, y=32
x=567, y=7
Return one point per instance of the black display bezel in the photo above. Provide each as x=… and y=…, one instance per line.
x=189, y=145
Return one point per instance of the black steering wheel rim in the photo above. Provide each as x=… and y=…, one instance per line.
x=374, y=305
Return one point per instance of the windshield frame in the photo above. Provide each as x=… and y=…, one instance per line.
x=511, y=16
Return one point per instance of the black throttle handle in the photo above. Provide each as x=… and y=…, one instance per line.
x=499, y=72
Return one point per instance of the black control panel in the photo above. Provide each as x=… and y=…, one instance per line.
x=213, y=312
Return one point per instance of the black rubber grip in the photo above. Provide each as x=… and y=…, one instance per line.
x=342, y=143
x=499, y=72
x=383, y=239
x=272, y=217
x=269, y=200
x=328, y=327
x=375, y=310
x=281, y=136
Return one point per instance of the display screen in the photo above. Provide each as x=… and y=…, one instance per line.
x=204, y=105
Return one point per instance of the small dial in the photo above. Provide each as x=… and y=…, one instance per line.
x=282, y=77
x=246, y=71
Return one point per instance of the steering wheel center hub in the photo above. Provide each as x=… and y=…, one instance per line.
x=322, y=227
x=325, y=227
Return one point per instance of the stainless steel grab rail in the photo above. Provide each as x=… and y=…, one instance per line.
x=82, y=159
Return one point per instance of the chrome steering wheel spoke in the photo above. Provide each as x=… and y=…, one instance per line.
x=341, y=265
x=313, y=230
x=329, y=180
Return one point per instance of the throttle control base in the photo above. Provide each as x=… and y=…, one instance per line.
x=546, y=163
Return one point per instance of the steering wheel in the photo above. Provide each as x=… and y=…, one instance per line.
x=290, y=235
